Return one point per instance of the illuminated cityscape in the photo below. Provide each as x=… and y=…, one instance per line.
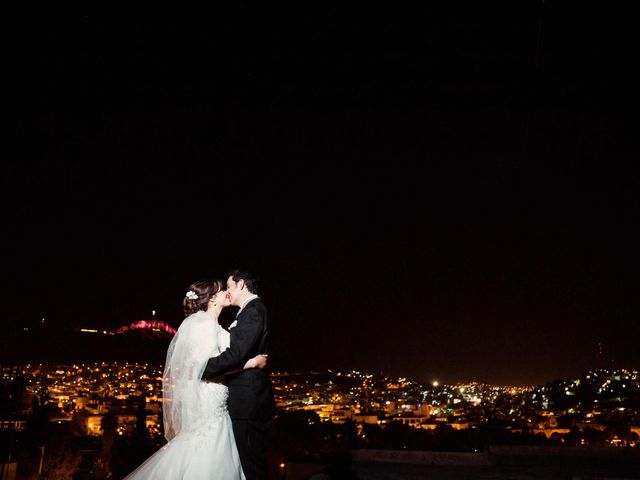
x=85, y=394
x=109, y=414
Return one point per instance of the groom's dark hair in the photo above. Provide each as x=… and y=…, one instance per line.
x=250, y=280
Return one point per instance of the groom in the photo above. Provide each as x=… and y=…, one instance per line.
x=251, y=402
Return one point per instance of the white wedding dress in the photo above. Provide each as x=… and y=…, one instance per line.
x=196, y=421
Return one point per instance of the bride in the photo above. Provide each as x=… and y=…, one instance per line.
x=196, y=422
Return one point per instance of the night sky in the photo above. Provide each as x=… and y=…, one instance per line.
x=443, y=193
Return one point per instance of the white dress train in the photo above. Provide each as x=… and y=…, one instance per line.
x=196, y=421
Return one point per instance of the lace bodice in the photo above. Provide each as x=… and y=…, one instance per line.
x=192, y=405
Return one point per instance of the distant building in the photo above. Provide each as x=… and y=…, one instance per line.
x=368, y=418
x=13, y=421
x=341, y=415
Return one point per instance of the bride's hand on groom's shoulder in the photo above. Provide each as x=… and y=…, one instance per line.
x=259, y=361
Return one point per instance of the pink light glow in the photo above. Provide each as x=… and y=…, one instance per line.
x=146, y=324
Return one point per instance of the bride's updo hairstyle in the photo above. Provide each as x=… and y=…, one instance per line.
x=199, y=294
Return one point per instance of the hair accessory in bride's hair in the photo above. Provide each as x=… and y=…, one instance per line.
x=191, y=295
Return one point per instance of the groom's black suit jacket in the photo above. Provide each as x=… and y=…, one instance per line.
x=250, y=392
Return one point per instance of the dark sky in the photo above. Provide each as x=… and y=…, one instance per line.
x=443, y=193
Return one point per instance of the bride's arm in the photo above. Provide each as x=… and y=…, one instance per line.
x=259, y=361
